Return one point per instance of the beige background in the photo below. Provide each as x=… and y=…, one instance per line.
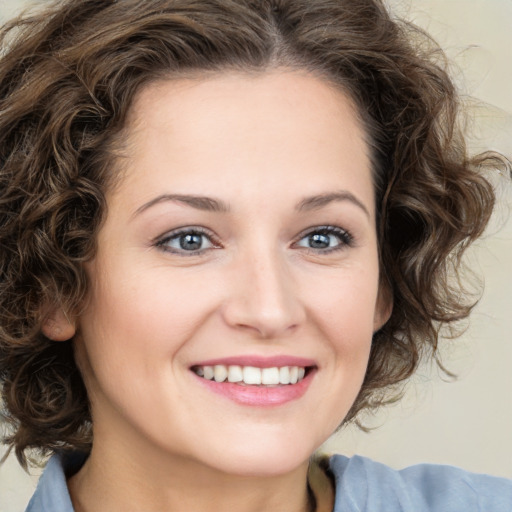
x=469, y=422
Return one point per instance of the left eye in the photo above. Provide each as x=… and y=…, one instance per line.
x=187, y=241
x=326, y=238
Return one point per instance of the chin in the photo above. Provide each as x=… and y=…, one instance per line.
x=263, y=459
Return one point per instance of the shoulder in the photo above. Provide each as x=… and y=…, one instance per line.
x=365, y=485
x=52, y=494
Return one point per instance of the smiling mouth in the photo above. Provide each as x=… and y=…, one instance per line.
x=251, y=375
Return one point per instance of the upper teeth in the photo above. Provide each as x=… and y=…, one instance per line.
x=251, y=374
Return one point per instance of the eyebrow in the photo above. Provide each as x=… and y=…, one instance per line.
x=207, y=204
x=321, y=200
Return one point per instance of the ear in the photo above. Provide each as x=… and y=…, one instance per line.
x=57, y=326
x=383, y=307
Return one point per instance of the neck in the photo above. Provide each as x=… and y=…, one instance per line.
x=115, y=478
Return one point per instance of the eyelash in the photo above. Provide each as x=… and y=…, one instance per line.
x=344, y=237
x=175, y=235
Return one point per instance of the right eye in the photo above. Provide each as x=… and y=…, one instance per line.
x=187, y=242
x=326, y=239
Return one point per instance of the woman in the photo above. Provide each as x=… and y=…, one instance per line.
x=226, y=229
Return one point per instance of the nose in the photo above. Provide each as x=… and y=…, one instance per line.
x=263, y=296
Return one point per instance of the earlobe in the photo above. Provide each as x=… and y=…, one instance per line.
x=57, y=326
x=383, y=308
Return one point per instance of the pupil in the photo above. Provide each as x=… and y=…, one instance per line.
x=319, y=241
x=191, y=242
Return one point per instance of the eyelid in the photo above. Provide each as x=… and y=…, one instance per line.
x=345, y=236
x=160, y=241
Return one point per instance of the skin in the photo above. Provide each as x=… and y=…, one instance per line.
x=260, y=144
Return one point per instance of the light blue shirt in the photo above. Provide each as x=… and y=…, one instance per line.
x=362, y=485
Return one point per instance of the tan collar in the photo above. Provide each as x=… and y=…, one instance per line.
x=321, y=484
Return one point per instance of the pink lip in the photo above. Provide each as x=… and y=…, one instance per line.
x=259, y=396
x=259, y=361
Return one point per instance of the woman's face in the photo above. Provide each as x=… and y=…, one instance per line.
x=240, y=243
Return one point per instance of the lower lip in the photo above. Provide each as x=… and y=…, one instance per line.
x=260, y=396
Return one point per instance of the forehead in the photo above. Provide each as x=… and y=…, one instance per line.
x=238, y=95
x=241, y=131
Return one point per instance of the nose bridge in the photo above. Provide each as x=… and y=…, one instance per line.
x=265, y=299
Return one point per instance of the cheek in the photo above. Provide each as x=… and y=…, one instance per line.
x=345, y=306
x=145, y=318
x=343, y=313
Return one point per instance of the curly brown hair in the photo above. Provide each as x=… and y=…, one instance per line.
x=68, y=76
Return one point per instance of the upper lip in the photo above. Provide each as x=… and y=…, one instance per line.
x=258, y=361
